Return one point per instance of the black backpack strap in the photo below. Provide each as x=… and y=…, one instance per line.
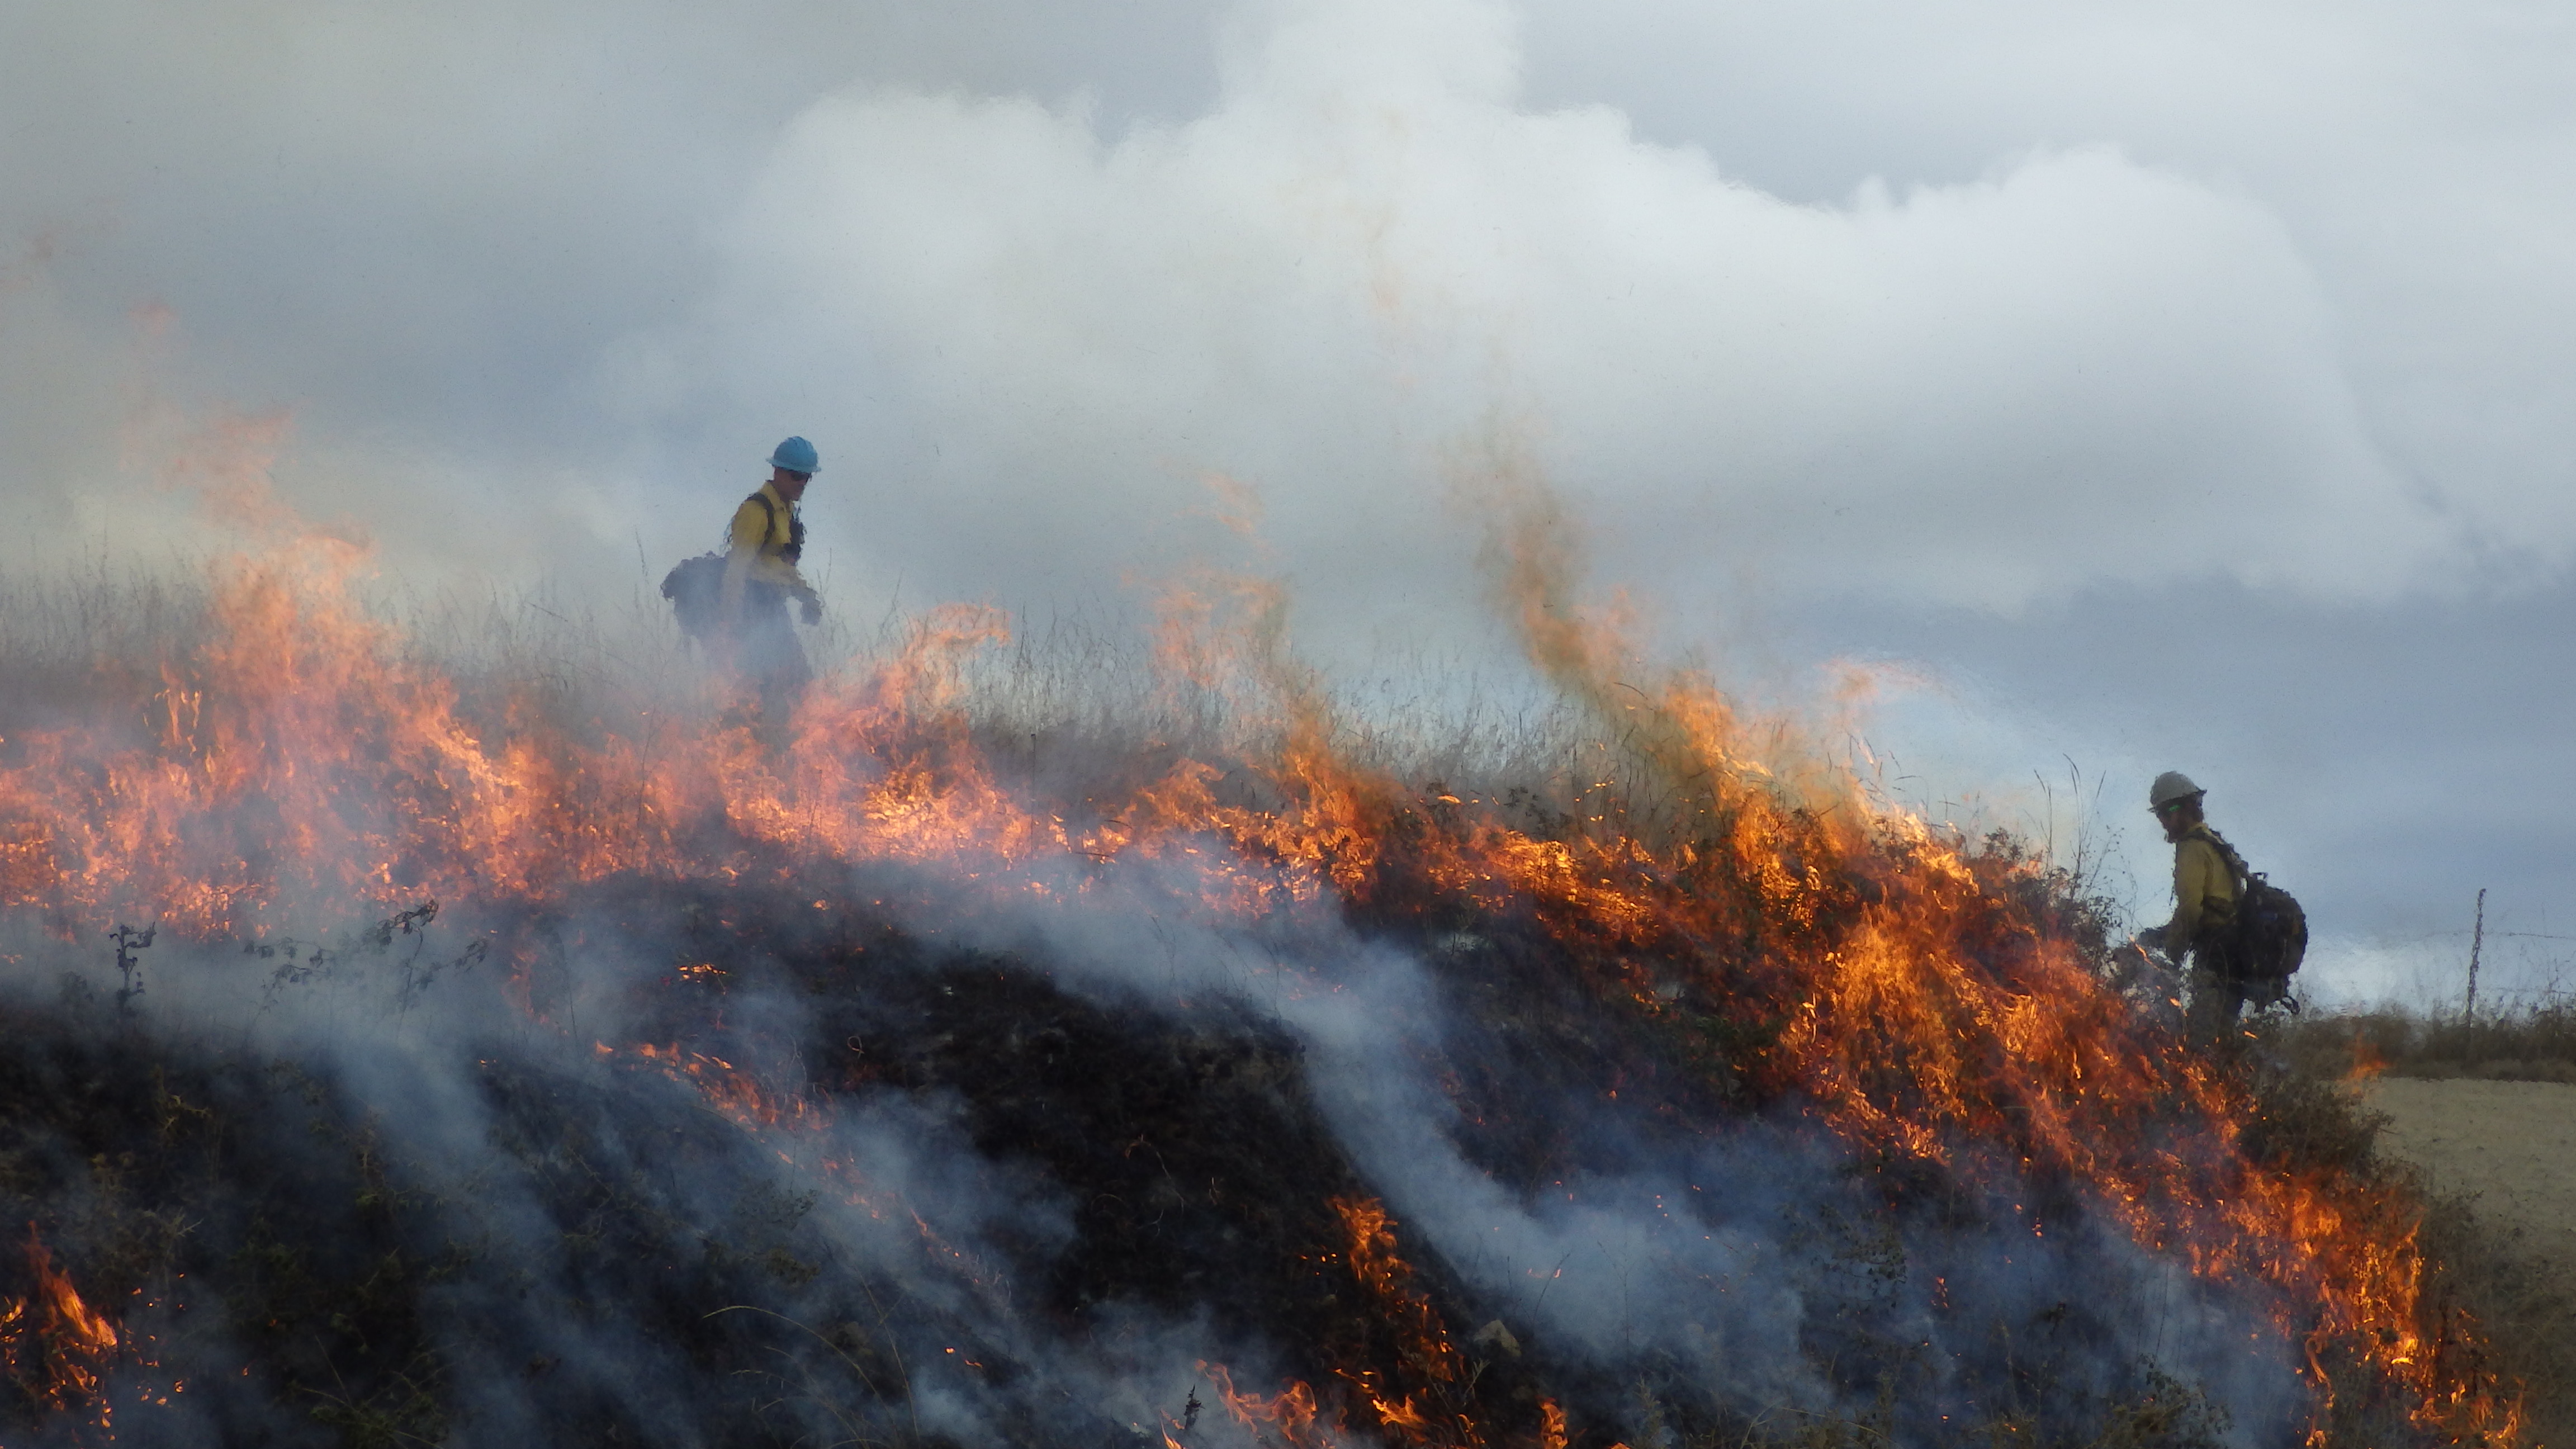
x=765, y=507
x=794, y=549
x=2237, y=871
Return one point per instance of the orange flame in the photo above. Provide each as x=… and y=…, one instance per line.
x=55, y=1346
x=304, y=754
x=1292, y=1413
x=1426, y=1361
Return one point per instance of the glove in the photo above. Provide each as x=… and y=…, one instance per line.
x=2153, y=938
x=813, y=611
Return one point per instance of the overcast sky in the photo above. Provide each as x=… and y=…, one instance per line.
x=2146, y=386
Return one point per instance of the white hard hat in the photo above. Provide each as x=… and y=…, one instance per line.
x=2170, y=786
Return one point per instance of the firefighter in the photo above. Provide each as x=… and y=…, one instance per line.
x=2204, y=918
x=760, y=578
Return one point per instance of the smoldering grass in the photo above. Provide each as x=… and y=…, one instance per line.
x=833, y=1400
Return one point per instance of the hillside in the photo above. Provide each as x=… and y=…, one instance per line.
x=557, y=1056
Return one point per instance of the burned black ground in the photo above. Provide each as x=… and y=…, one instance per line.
x=628, y=1266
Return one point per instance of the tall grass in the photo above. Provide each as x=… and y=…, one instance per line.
x=1061, y=699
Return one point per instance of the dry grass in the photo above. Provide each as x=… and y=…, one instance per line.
x=2533, y=1042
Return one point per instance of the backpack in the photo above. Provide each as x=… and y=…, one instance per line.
x=695, y=586
x=2269, y=937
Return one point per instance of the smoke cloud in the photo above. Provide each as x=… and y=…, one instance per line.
x=1317, y=247
x=1347, y=274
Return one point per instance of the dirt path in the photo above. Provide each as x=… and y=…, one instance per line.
x=2511, y=1143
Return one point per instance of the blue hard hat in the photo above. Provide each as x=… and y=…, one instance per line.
x=796, y=456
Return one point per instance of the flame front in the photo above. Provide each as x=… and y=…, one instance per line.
x=1890, y=980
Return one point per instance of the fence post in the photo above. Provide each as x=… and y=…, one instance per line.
x=2469, y=1014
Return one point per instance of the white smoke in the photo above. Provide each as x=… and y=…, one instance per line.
x=1734, y=1259
x=1369, y=257
x=1024, y=322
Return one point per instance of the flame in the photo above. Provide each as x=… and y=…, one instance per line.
x=1551, y=1432
x=735, y=1094
x=1893, y=981
x=1426, y=1361
x=1291, y=1414
x=55, y=1345
x=1411, y=1409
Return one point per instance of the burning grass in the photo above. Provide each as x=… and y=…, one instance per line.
x=1215, y=1064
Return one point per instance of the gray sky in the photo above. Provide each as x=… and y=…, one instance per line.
x=2143, y=385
